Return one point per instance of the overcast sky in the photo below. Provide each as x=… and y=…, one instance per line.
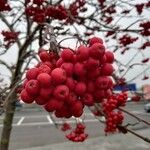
x=11, y=56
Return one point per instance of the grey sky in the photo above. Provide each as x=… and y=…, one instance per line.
x=11, y=56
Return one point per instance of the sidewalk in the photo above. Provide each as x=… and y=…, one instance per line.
x=114, y=142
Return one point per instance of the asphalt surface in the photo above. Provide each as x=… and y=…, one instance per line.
x=32, y=127
x=113, y=142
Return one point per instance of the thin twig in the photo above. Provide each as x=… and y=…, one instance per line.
x=138, y=118
x=146, y=139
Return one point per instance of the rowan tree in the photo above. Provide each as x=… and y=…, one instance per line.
x=78, y=38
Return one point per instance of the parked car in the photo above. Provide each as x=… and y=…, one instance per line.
x=129, y=99
x=147, y=108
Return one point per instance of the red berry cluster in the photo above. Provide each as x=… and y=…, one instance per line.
x=74, y=9
x=102, y=2
x=148, y=4
x=108, y=19
x=121, y=99
x=145, y=77
x=110, y=9
x=10, y=37
x=145, y=28
x=145, y=60
x=136, y=98
x=139, y=8
x=78, y=134
x=113, y=119
x=145, y=45
x=126, y=40
x=65, y=127
x=109, y=33
x=108, y=12
x=78, y=78
x=4, y=6
x=40, y=11
x=114, y=101
x=58, y=12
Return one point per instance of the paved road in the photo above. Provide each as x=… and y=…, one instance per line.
x=112, y=142
x=34, y=127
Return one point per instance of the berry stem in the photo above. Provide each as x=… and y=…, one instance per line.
x=146, y=139
x=53, y=120
x=138, y=118
x=125, y=129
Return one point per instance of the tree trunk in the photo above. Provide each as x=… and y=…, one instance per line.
x=10, y=108
x=7, y=124
x=10, y=101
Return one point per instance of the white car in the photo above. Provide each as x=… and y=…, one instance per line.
x=129, y=99
x=147, y=107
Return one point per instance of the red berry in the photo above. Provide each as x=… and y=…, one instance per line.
x=33, y=87
x=38, y=2
x=58, y=75
x=108, y=92
x=94, y=73
x=43, y=68
x=40, y=100
x=97, y=50
x=48, y=63
x=136, y=98
x=104, y=82
x=70, y=83
x=61, y=92
x=44, y=55
x=45, y=93
x=95, y=40
x=109, y=56
x=88, y=99
x=68, y=67
x=32, y=73
x=107, y=69
x=82, y=53
x=71, y=99
x=80, y=126
x=59, y=62
x=65, y=127
x=92, y=64
x=74, y=58
x=25, y=97
x=24, y=83
x=80, y=88
x=83, y=136
x=99, y=95
x=67, y=55
x=103, y=59
x=44, y=79
x=90, y=87
x=66, y=111
x=63, y=112
x=79, y=69
x=77, y=109
x=58, y=113
x=52, y=105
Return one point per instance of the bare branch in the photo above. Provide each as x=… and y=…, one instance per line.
x=6, y=65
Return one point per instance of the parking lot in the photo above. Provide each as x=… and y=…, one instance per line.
x=35, y=127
